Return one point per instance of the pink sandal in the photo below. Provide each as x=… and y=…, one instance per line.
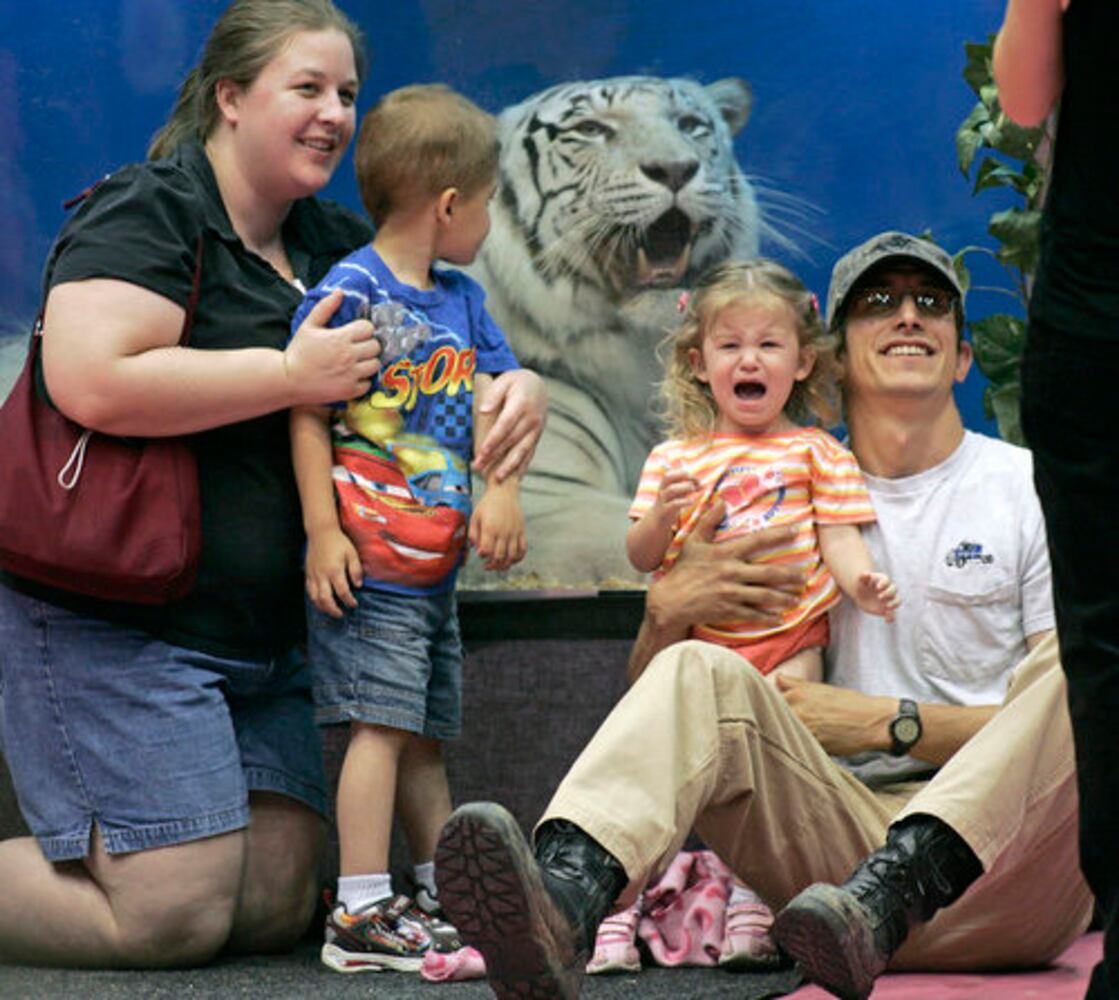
x=747, y=942
x=615, y=947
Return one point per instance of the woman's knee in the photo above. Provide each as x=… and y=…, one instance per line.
x=276, y=922
x=280, y=885
x=176, y=929
x=171, y=906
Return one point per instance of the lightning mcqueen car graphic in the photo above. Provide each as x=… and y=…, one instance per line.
x=399, y=539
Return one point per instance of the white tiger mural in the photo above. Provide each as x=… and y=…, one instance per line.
x=613, y=195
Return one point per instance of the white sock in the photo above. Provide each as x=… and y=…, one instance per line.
x=742, y=894
x=425, y=884
x=356, y=892
x=425, y=877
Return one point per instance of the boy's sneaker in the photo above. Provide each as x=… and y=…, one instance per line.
x=380, y=936
x=615, y=944
x=426, y=914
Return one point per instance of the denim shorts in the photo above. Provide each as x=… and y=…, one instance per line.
x=155, y=744
x=395, y=660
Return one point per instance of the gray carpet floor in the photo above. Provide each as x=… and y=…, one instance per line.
x=300, y=975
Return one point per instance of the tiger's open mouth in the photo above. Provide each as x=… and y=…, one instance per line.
x=665, y=250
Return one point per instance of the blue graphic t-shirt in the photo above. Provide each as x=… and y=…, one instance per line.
x=402, y=453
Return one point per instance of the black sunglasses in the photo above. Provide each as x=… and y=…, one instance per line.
x=878, y=302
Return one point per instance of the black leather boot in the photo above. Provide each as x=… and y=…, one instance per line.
x=533, y=918
x=582, y=876
x=843, y=936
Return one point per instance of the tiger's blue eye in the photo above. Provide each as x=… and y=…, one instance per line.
x=592, y=128
x=692, y=124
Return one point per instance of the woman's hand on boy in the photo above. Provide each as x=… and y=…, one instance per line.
x=326, y=363
x=520, y=399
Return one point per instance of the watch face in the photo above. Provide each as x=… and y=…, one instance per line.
x=906, y=729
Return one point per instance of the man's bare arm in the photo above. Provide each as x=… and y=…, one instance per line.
x=848, y=722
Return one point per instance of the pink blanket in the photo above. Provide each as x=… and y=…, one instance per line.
x=682, y=913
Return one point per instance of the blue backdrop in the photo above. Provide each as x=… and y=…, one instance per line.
x=856, y=102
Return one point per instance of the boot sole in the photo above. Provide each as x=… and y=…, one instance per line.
x=490, y=888
x=826, y=931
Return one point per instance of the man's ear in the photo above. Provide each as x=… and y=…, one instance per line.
x=227, y=96
x=839, y=356
x=695, y=359
x=963, y=360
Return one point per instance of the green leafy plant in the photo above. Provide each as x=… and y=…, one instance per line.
x=1015, y=162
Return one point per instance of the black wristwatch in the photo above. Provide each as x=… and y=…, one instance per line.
x=905, y=728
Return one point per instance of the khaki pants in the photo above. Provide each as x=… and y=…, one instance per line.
x=701, y=742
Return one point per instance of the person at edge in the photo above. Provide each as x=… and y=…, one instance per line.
x=954, y=796
x=1049, y=51
x=166, y=760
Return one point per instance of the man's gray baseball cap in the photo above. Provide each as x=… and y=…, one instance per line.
x=885, y=246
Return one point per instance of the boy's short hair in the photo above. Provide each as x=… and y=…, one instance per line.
x=419, y=141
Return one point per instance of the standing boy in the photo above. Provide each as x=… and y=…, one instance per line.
x=385, y=488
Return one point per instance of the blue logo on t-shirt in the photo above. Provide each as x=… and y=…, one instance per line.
x=967, y=552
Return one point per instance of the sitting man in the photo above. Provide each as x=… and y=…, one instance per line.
x=966, y=763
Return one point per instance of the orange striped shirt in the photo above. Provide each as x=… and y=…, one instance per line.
x=803, y=477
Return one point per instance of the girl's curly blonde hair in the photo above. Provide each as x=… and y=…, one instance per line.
x=687, y=405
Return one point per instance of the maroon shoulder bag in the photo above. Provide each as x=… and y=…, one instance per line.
x=109, y=517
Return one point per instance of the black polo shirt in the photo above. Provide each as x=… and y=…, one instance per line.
x=142, y=225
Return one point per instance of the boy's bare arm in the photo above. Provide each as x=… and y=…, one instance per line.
x=497, y=524
x=483, y=420
x=313, y=462
x=333, y=568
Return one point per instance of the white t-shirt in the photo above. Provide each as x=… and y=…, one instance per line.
x=964, y=543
